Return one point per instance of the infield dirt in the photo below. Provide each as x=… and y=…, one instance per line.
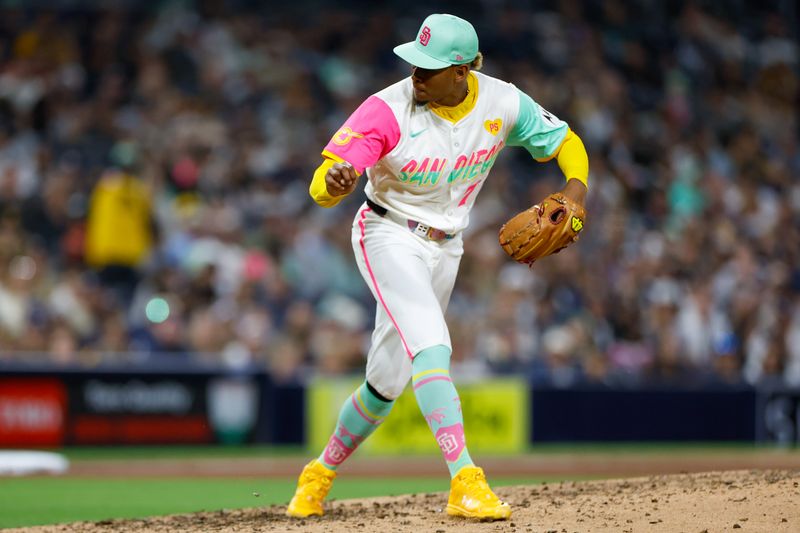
x=764, y=501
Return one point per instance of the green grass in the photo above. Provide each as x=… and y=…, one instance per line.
x=48, y=500
x=187, y=452
x=650, y=447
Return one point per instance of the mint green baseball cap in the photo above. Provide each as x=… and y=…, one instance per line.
x=442, y=40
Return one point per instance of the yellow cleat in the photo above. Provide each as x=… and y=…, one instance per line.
x=312, y=487
x=471, y=497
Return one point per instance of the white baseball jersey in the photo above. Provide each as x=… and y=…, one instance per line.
x=426, y=168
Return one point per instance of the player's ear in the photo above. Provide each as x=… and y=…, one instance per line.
x=461, y=72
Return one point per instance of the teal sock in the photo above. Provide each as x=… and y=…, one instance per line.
x=440, y=405
x=360, y=415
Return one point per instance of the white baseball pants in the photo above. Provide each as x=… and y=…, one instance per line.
x=411, y=279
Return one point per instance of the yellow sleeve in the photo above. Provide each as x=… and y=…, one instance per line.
x=572, y=158
x=318, y=190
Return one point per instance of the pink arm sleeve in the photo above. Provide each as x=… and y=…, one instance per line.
x=367, y=135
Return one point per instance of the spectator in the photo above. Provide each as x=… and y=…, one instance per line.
x=202, y=228
x=119, y=236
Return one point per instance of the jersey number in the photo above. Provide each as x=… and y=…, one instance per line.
x=466, y=194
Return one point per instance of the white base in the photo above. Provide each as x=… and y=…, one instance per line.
x=21, y=463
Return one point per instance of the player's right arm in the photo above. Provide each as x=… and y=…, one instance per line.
x=367, y=135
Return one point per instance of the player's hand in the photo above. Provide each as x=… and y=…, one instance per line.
x=341, y=179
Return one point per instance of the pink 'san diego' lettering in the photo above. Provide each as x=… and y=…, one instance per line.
x=467, y=168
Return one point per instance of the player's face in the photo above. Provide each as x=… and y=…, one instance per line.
x=433, y=85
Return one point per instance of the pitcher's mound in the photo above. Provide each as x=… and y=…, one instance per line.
x=754, y=501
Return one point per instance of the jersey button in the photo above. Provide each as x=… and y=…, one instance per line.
x=450, y=213
x=456, y=144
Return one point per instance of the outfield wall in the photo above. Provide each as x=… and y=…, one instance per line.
x=207, y=405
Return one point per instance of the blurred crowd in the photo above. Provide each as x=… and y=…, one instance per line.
x=154, y=171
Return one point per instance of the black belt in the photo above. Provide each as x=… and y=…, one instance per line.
x=379, y=210
x=417, y=227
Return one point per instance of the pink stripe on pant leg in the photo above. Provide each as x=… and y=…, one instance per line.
x=375, y=283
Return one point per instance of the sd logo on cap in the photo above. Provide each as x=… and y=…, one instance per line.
x=443, y=40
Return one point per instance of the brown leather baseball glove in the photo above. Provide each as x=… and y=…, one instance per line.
x=543, y=229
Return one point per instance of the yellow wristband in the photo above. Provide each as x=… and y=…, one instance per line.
x=319, y=190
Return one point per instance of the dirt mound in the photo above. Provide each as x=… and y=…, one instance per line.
x=750, y=501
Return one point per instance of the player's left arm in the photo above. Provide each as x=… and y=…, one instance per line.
x=546, y=137
x=574, y=163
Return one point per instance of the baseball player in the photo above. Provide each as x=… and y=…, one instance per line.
x=427, y=144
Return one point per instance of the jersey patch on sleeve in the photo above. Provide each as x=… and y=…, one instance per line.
x=345, y=135
x=549, y=118
x=366, y=136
